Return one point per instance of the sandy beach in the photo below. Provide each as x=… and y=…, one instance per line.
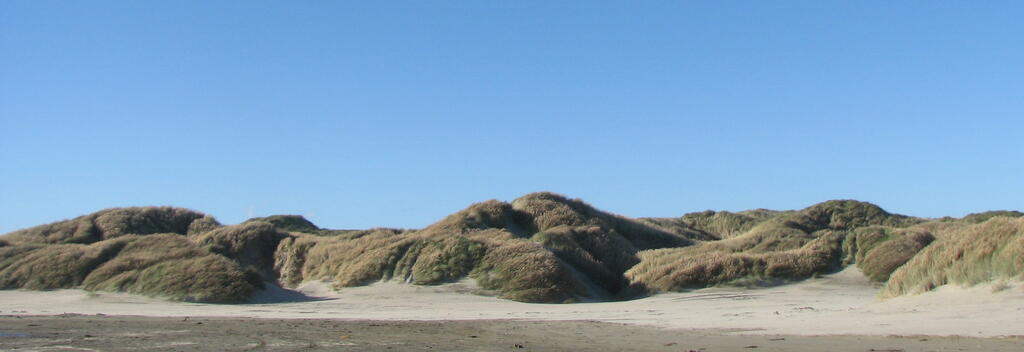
x=816, y=314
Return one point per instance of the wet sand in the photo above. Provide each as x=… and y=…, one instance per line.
x=121, y=333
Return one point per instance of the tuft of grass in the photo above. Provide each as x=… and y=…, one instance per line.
x=964, y=255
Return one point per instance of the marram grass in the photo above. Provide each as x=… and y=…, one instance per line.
x=542, y=247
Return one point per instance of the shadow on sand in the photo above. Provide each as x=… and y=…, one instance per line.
x=272, y=293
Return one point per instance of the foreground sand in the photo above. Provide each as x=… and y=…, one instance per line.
x=110, y=333
x=785, y=317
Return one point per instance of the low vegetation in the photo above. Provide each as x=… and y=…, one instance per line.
x=976, y=218
x=171, y=266
x=109, y=223
x=964, y=255
x=542, y=247
x=766, y=247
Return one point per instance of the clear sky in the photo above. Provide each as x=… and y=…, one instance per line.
x=363, y=114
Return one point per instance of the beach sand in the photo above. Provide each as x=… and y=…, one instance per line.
x=838, y=312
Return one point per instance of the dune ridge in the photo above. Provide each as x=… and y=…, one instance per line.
x=542, y=247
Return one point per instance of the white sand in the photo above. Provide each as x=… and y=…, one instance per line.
x=844, y=303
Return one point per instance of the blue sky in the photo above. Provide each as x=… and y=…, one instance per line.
x=369, y=114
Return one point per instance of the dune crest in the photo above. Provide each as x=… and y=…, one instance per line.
x=542, y=247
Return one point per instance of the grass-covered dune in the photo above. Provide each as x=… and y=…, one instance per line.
x=144, y=250
x=541, y=247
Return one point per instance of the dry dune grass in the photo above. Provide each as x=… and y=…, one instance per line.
x=542, y=247
x=110, y=223
x=880, y=250
x=289, y=223
x=716, y=225
x=202, y=225
x=680, y=228
x=681, y=269
x=777, y=246
x=847, y=215
x=976, y=218
x=964, y=255
x=171, y=266
x=251, y=245
x=523, y=271
x=40, y=267
x=140, y=250
x=461, y=245
x=549, y=210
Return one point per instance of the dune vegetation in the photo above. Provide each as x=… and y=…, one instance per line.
x=542, y=247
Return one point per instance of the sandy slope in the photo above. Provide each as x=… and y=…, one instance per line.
x=843, y=303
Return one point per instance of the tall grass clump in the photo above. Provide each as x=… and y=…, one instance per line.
x=964, y=256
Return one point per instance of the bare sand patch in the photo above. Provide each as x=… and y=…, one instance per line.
x=841, y=303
